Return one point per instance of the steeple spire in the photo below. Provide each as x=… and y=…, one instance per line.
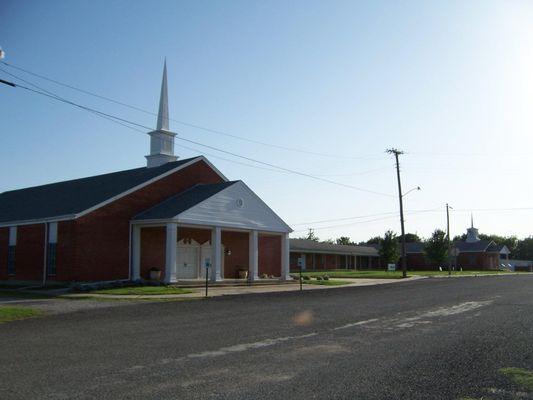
x=471, y=220
x=162, y=115
x=162, y=139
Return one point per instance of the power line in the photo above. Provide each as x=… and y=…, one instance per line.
x=125, y=121
x=127, y=126
x=493, y=209
x=184, y=123
x=345, y=225
x=365, y=216
x=389, y=215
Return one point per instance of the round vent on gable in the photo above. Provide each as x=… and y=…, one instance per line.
x=239, y=202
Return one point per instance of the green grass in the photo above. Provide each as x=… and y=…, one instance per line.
x=8, y=313
x=326, y=283
x=520, y=376
x=22, y=295
x=381, y=274
x=355, y=274
x=144, y=290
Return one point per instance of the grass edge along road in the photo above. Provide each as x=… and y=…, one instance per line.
x=10, y=313
x=143, y=290
x=381, y=274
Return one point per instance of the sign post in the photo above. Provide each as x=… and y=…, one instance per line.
x=300, y=265
x=207, y=265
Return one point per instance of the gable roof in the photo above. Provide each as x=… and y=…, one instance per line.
x=311, y=245
x=181, y=202
x=473, y=247
x=70, y=199
x=227, y=204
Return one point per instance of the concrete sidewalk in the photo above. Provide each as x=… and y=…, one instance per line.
x=238, y=290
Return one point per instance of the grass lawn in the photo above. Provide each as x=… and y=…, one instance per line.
x=522, y=377
x=8, y=313
x=340, y=273
x=326, y=283
x=21, y=295
x=144, y=290
x=381, y=274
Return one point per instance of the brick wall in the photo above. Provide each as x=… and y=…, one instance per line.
x=237, y=243
x=477, y=261
x=102, y=248
x=4, y=242
x=270, y=255
x=29, y=254
x=153, y=241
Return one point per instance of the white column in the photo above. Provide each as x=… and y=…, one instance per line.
x=285, y=257
x=171, y=250
x=253, y=249
x=216, y=245
x=136, y=253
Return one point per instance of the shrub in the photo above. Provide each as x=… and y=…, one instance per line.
x=325, y=277
x=318, y=278
x=306, y=278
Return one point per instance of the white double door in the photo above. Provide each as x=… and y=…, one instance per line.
x=191, y=259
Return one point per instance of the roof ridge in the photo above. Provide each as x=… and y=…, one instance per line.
x=98, y=175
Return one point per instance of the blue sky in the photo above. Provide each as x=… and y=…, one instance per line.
x=451, y=83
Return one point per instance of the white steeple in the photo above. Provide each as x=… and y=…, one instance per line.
x=162, y=116
x=162, y=139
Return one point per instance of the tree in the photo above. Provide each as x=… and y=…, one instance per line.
x=410, y=238
x=328, y=241
x=310, y=236
x=344, y=240
x=459, y=238
x=388, y=250
x=436, y=248
x=524, y=249
x=372, y=240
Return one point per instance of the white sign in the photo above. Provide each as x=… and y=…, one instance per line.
x=300, y=262
x=391, y=267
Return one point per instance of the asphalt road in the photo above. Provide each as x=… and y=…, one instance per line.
x=429, y=339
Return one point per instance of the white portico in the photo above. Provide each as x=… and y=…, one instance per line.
x=225, y=223
x=216, y=221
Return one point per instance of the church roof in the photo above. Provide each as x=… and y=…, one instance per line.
x=183, y=201
x=311, y=245
x=68, y=198
x=468, y=247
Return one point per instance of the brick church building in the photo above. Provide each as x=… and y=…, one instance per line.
x=472, y=253
x=172, y=215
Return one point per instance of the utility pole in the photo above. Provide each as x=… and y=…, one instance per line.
x=449, y=241
x=396, y=153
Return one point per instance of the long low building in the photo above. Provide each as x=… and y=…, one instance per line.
x=327, y=256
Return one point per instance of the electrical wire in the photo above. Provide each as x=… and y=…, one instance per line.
x=125, y=121
x=365, y=216
x=184, y=123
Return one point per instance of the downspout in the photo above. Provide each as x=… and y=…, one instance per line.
x=45, y=251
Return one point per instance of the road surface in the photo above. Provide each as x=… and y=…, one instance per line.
x=428, y=339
